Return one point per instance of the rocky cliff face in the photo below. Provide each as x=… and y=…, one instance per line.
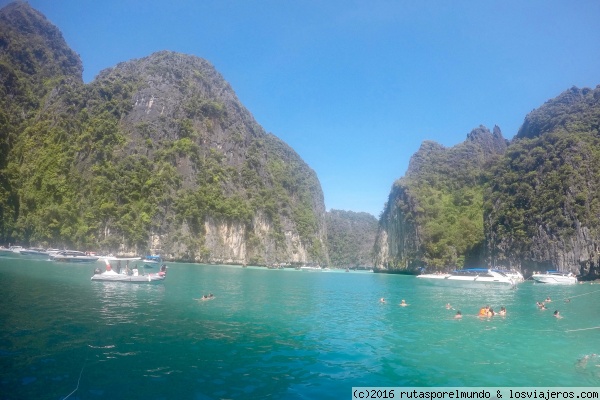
x=530, y=204
x=156, y=153
x=398, y=241
x=542, y=206
x=33, y=58
x=350, y=238
x=433, y=217
x=182, y=99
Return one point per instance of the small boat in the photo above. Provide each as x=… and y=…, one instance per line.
x=310, y=268
x=53, y=252
x=73, y=256
x=12, y=249
x=471, y=277
x=112, y=276
x=151, y=260
x=555, y=278
x=515, y=275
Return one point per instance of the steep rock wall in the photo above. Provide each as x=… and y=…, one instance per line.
x=542, y=205
x=398, y=243
x=434, y=217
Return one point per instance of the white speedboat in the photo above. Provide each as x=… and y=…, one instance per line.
x=310, y=268
x=555, y=278
x=72, y=256
x=12, y=249
x=53, y=252
x=471, y=277
x=515, y=275
x=109, y=275
x=151, y=260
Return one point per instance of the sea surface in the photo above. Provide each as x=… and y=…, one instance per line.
x=280, y=334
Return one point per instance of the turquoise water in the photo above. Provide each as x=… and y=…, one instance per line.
x=279, y=334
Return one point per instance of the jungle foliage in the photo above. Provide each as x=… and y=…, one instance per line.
x=448, y=192
x=546, y=180
x=533, y=202
x=350, y=238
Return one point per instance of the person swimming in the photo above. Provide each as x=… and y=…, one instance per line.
x=582, y=362
x=484, y=311
x=458, y=315
x=557, y=314
x=403, y=303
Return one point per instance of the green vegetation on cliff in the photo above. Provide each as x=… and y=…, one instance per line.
x=533, y=204
x=350, y=238
x=33, y=60
x=440, y=202
x=158, y=146
x=448, y=191
x=542, y=194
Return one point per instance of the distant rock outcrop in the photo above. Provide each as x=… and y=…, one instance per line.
x=350, y=238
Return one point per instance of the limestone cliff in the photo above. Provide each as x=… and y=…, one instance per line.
x=398, y=240
x=542, y=203
x=155, y=154
x=433, y=217
x=350, y=238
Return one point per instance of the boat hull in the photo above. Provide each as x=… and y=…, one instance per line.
x=554, y=279
x=72, y=256
x=75, y=259
x=36, y=253
x=104, y=277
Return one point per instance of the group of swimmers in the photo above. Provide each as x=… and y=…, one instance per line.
x=403, y=303
x=542, y=306
x=488, y=311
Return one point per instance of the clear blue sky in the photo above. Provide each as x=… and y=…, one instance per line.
x=356, y=86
